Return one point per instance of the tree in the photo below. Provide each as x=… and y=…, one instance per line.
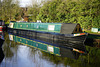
x=48, y=11
x=9, y=8
x=33, y=12
x=84, y=12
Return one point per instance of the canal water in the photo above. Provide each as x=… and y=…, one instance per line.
x=15, y=54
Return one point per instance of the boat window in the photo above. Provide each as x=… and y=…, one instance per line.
x=79, y=29
x=76, y=30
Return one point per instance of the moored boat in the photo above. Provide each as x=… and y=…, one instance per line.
x=2, y=26
x=63, y=32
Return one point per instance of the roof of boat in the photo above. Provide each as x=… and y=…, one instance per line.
x=68, y=28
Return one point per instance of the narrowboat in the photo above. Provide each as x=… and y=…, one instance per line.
x=2, y=25
x=48, y=47
x=63, y=32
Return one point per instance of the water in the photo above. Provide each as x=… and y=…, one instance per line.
x=13, y=54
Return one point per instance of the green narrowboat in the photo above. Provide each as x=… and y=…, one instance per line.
x=68, y=32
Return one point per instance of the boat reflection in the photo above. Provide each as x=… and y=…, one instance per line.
x=50, y=46
x=1, y=55
x=1, y=43
x=1, y=39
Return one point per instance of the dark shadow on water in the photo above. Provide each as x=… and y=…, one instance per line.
x=1, y=51
x=1, y=55
x=1, y=43
x=1, y=39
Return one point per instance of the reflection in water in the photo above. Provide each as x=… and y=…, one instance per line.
x=1, y=43
x=18, y=55
x=1, y=39
x=1, y=55
x=51, y=48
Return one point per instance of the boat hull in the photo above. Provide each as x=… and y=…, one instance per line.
x=66, y=40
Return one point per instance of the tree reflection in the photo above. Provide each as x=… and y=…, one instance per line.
x=9, y=47
x=91, y=59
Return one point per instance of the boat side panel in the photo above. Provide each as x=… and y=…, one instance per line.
x=46, y=27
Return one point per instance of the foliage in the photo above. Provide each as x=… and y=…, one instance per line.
x=48, y=11
x=84, y=12
x=33, y=12
x=96, y=22
x=9, y=10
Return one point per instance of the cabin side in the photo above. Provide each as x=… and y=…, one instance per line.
x=44, y=27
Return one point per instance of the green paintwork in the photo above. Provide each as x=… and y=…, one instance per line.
x=36, y=44
x=38, y=26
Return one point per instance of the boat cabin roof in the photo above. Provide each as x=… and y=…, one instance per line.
x=70, y=28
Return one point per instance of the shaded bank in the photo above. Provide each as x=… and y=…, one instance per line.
x=93, y=40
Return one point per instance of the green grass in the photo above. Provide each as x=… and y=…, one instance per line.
x=89, y=31
x=93, y=35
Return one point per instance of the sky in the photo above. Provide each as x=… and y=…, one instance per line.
x=24, y=3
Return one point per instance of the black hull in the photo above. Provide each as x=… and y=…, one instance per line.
x=60, y=39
